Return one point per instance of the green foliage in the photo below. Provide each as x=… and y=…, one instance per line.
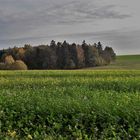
x=70, y=105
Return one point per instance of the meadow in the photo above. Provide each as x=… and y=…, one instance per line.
x=125, y=62
x=78, y=104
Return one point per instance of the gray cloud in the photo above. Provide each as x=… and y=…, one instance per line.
x=36, y=21
x=124, y=42
x=34, y=13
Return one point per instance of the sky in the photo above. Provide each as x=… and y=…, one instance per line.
x=116, y=23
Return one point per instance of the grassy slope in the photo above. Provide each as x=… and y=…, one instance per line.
x=70, y=104
x=124, y=62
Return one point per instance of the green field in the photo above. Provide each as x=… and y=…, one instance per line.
x=123, y=62
x=76, y=105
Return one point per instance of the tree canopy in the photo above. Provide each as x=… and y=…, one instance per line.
x=59, y=55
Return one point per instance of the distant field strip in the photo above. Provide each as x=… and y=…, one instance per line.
x=123, y=62
x=82, y=104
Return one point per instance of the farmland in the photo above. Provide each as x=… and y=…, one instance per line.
x=123, y=62
x=85, y=104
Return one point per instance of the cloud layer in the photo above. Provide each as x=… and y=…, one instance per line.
x=37, y=20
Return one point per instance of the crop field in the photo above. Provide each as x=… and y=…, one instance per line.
x=85, y=104
x=123, y=62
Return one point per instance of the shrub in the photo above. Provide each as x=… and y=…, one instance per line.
x=9, y=60
x=18, y=65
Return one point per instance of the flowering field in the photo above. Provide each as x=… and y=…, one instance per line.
x=85, y=104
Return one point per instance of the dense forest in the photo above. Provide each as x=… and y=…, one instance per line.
x=56, y=56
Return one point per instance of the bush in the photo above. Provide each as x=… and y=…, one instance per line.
x=18, y=65
x=9, y=60
x=8, y=63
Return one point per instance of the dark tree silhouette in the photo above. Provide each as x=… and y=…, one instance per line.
x=59, y=55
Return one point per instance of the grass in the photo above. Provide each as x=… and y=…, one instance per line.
x=123, y=62
x=82, y=104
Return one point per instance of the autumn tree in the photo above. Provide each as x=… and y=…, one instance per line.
x=57, y=56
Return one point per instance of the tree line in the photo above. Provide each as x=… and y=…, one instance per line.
x=56, y=56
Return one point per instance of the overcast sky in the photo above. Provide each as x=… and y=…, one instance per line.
x=115, y=23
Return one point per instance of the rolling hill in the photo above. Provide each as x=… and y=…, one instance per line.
x=123, y=62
